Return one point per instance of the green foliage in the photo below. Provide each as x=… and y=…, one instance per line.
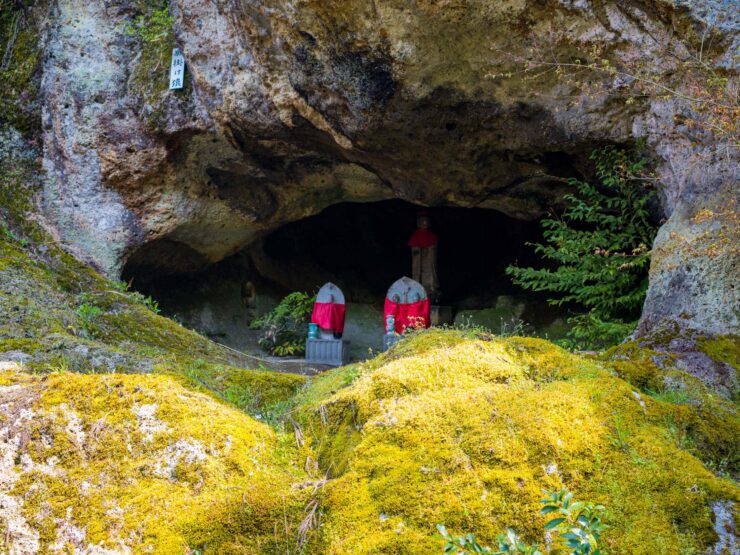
x=154, y=26
x=12, y=236
x=507, y=543
x=284, y=328
x=89, y=314
x=121, y=286
x=581, y=520
x=578, y=524
x=510, y=327
x=620, y=436
x=147, y=301
x=599, y=249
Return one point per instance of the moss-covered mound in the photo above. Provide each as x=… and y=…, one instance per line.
x=58, y=311
x=60, y=314
x=140, y=464
x=469, y=431
x=448, y=427
x=707, y=421
x=95, y=458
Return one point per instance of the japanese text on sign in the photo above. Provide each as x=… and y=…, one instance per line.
x=177, y=69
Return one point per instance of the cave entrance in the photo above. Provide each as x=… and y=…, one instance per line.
x=361, y=247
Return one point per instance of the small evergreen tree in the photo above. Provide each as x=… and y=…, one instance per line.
x=600, y=251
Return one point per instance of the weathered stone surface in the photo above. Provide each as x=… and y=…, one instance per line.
x=294, y=106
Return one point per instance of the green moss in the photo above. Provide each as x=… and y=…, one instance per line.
x=703, y=422
x=144, y=462
x=468, y=431
x=326, y=384
x=264, y=394
x=152, y=28
x=19, y=35
x=63, y=314
x=459, y=427
x=723, y=349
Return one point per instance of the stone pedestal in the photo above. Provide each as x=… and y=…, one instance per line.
x=333, y=352
x=390, y=339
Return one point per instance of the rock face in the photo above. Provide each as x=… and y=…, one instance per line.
x=293, y=106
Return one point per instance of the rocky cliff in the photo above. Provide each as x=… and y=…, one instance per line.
x=124, y=432
x=290, y=107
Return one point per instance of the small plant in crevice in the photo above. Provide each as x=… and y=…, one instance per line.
x=599, y=251
x=124, y=288
x=153, y=26
x=121, y=286
x=578, y=525
x=12, y=236
x=88, y=313
x=147, y=301
x=284, y=328
x=620, y=434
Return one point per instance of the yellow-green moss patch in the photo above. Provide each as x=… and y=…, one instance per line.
x=702, y=421
x=141, y=462
x=469, y=431
x=262, y=393
x=725, y=348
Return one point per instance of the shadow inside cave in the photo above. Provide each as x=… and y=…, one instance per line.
x=362, y=247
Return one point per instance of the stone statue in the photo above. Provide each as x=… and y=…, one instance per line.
x=324, y=344
x=329, y=311
x=423, y=245
x=406, y=307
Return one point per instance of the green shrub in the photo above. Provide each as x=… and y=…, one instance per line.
x=577, y=523
x=599, y=248
x=284, y=328
x=148, y=302
x=88, y=313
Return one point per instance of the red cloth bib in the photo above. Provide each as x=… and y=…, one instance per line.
x=409, y=315
x=423, y=238
x=329, y=316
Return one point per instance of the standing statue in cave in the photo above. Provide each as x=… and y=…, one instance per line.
x=423, y=245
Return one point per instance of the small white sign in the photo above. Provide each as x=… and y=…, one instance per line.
x=177, y=69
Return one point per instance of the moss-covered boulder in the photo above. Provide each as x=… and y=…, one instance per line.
x=139, y=464
x=468, y=431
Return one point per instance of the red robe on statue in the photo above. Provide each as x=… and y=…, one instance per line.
x=329, y=316
x=409, y=315
x=423, y=238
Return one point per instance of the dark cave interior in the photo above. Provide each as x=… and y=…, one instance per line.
x=361, y=247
